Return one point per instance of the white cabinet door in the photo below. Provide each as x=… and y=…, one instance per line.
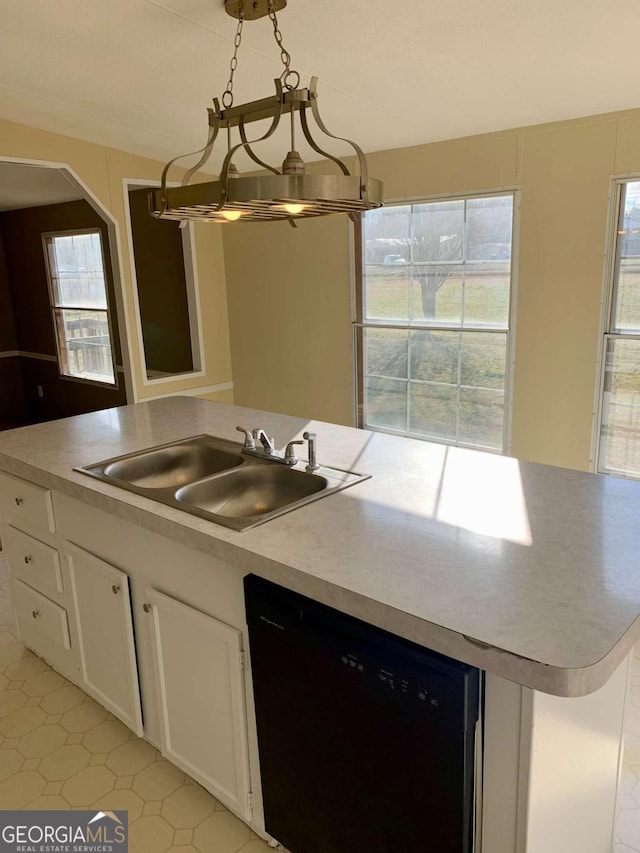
x=199, y=673
x=105, y=634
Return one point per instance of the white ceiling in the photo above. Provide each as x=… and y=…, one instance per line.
x=32, y=186
x=139, y=74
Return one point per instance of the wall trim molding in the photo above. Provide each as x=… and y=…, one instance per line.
x=191, y=392
x=11, y=353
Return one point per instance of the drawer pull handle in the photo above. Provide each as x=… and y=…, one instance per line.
x=35, y=613
x=146, y=607
x=28, y=559
x=19, y=501
x=115, y=589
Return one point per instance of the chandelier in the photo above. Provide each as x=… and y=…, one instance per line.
x=287, y=192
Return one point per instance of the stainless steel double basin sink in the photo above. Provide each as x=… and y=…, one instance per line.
x=210, y=477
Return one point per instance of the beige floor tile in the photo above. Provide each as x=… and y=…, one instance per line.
x=257, y=846
x=63, y=699
x=75, y=737
x=84, y=717
x=221, y=832
x=25, y=668
x=31, y=764
x=20, y=789
x=4, y=681
x=21, y=722
x=98, y=759
x=152, y=808
x=150, y=834
x=158, y=780
x=131, y=757
x=123, y=782
x=10, y=762
x=42, y=741
x=179, y=849
x=89, y=785
x=43, y=683
x=12, y=653
x=188, y=806
x=106, y=737
x=10, y=701
x=49, y=803
x=53, y=719
x=9, y=743
x=65, y=762
x=121, y=800
x=52, y=788
x=628, y=827
x=182, y=836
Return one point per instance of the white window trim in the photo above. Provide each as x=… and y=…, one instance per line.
x=358, y=324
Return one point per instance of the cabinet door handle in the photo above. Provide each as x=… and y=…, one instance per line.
x=19, y=501
x=115, y=589
x=28, y=559
x=146, y=607
x=35, y=613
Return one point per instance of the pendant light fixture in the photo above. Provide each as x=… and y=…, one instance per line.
x=286, y=193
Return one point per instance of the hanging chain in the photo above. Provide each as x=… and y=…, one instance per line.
x=287, y=75
x=227, y=97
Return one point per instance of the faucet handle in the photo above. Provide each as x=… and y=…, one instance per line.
x=289, y=453
x=249, y=441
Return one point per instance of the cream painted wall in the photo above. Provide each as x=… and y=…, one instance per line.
x=289, y=290
x=103, y=170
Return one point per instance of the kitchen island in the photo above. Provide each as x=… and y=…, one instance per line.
x=526, y=571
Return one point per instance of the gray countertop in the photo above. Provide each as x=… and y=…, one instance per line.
x=528, y=571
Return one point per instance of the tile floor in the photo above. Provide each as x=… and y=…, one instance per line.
x=61, y=750
x=628, y=819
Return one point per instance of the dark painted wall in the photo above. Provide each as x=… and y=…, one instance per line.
x=12, y=404
x=162, y=291
x=21, y=233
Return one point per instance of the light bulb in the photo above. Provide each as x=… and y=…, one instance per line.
x=294, y=208
x=232, y=215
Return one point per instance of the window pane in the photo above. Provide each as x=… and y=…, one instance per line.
x=387, y=234
x=486, y=294
x=481, y=417
x=484, y=357
x=435, y=356
x=83, y=340
x=77, y=271
x=386, y=403
x=627, y=285
x=438, y=229
x=489, y=228
x=386, y=352
x=387, y=292
x=437, y=293
x=620, y=438
x=433, y=410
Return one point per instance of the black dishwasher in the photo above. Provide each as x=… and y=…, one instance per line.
x=366, y=741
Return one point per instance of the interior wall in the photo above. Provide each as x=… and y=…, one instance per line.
x=22, y=232
x=103, y=171
x=12, y=403
x=289, y=303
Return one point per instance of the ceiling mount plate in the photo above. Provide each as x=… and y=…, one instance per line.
x=252, y=9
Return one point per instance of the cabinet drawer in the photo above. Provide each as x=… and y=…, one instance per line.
x=26, y=502
x=33, y=561
x=40, y=618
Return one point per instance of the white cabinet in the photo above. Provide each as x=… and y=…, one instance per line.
x=105, y=635
x=200, y=685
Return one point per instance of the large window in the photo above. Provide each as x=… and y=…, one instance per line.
x=434, y=319
x=79, y=303
x=620, y=411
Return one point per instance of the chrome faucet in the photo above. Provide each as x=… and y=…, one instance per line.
x=267, y=451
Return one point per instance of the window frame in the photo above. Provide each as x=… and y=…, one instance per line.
x=359, y=324
x=47, y=239
x=607, y=332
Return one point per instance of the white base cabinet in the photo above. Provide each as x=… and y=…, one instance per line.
x=102, y=607
x=200, y=682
